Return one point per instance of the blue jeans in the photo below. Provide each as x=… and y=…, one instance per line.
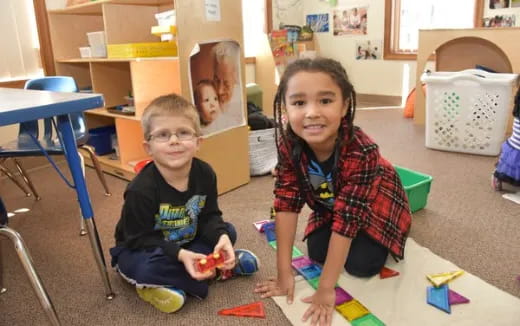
x=152, y=267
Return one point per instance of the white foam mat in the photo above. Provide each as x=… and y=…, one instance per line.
x=401, y=300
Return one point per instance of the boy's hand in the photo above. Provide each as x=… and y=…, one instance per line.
x=189, y=259
x=322, y=307
x=224, y=244
x=284, y=285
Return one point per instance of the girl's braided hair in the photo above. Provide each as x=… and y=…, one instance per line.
x=338, y=74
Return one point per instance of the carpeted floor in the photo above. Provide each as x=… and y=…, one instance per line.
x=465, y=222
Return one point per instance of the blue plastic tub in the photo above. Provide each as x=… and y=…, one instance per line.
x=101, y=139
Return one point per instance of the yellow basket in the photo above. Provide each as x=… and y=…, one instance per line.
x=139, y=50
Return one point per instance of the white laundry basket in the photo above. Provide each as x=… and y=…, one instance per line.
x=262, y=151
x=467, y=111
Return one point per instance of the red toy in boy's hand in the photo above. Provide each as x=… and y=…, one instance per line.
x=211, y=261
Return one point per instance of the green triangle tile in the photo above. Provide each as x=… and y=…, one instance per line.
x=296, y=252
x=273, y=244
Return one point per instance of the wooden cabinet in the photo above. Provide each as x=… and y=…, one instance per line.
x=130, y=21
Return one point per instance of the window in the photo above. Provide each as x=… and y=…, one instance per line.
x=19, y=41
x=255, y=25
x=404, y=18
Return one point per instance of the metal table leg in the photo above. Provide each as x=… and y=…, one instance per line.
x=73, y=160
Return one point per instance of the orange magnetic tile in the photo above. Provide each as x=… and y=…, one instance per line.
x=387, y=272
x=352, y=309
x=255, y=309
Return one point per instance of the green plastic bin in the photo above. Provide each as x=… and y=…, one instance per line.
x=417, y=187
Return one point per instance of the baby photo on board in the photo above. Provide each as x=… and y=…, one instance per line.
x=217, y=86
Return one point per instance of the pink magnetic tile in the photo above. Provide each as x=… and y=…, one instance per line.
x=342, y=296
x=260, y=225
x=455, y=298
x=300, y=262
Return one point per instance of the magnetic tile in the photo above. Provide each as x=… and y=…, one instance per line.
x=296, y=252
x=310, y=271
x=273, y=244
x=315, y=282
x=352, y=310
x=342, y=296
x=367, y=320
x=438, y=297
x=301, y=262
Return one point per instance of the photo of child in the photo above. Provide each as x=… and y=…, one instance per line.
x=206, y=101
x=216, y=85
x=499, y=21
x=498, y=4
x=350, y=21
x=368, y=50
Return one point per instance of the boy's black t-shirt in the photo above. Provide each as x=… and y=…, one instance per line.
x=156, y=214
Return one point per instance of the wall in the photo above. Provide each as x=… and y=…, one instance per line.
x=288, y=12
x=381, y=77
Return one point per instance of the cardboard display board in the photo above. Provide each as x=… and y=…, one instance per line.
x=227, y=152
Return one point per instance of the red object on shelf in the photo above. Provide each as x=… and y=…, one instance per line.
x=139, y=166
x=211, y=261
x=387, y=272
x=255, y=309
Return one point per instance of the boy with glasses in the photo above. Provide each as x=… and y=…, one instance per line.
x=170, y=218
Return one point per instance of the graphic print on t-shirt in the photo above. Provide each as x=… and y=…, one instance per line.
x=321, y=184
x=179, y=223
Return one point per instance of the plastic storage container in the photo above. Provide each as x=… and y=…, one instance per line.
x=262, y=151
x=467, y=111
x=101, y=139
x=417, y=186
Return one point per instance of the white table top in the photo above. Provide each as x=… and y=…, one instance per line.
x=19, y=105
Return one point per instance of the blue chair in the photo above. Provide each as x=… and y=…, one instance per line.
x=27, y=264
x=26, y=146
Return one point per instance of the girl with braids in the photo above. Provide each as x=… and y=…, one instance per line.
x=360, y=210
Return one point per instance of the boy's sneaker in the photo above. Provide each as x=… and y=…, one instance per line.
x=246, y=264
x=165, y=299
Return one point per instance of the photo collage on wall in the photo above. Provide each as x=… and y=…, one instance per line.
x=503, y=18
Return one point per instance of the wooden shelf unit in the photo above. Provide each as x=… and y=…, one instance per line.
x=130, y=21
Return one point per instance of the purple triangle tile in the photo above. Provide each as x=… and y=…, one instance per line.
x=342, y=296
x=455, y=298
x=518, y=278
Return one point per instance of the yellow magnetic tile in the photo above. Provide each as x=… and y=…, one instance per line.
x=352, y=309
x=443, y=278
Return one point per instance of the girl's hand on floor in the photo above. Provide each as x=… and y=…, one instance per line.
x=224, y=244
x=322, y=307
x=284, y=285
x=189, y=259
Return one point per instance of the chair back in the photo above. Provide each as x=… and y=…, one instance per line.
x=3, y=213
x=56, y=84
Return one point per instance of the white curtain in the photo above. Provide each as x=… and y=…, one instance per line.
x=253, y=19
x=20, y=49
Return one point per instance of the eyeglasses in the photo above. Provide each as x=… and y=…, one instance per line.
x=181, y=134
